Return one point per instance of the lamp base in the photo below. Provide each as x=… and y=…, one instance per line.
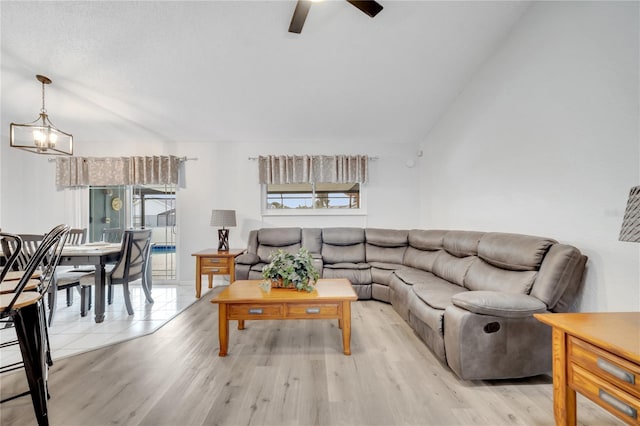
x=223, y=239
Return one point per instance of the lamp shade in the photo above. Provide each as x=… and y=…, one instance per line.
x=224, y=218
x=631, y=223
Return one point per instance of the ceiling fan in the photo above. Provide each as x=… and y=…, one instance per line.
x=370, y=7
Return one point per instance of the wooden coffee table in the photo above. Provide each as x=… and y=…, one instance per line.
x=246, y=300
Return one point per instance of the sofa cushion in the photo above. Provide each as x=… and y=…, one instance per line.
x=355, y=275
x=337, y=254
x=265, y=251
x=247, y=259
x=462, y=243
x=343, y=236
x=452, y=268
x=384, y=254
x=499, y=304
x=381, y=276
x=413, y=276
x=387, y=237
x=312, y=239
x=386, y=266
x=279, y=237
x=433, y=318
x=437, y=294
x=426, y=239
x=483, y=276
x=347, y=265
x=420, y=259
x=514, y=251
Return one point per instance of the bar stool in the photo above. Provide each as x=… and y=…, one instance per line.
x=26, y=310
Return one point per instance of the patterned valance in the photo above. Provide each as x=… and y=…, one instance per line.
x=112, y=171
x=281, y=169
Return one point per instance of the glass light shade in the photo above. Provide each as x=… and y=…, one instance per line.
x=41, y=137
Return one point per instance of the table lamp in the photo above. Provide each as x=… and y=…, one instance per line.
x=223, y=218
x=631, y=223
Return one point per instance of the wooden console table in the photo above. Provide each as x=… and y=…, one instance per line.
x=598, y=355
x=212, y=262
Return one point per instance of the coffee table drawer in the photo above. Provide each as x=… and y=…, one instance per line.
x=313, y=310
x=255, y=311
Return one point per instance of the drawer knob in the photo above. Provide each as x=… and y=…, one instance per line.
x=255, y=311
x=214, y=269
x=617, y=404
x=616, y=371
x=313, y=310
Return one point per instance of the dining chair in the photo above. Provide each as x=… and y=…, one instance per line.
x=30, y=243
x=26, y=310
x=132, y=266
x=77, y=236
x=67, y=278
x=112, y=235
x=15, y=241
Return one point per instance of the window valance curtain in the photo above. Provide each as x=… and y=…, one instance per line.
x=111, y=171
x=281, y=169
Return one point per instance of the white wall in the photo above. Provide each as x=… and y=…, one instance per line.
x=222, y=177
x=544, y=140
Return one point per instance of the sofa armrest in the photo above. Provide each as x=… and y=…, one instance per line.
x=499, y=304
x=247, y=259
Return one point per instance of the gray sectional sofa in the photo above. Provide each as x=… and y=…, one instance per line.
x=469, y=295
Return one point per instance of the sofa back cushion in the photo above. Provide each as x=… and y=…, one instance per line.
x=343, y=236
x=426, y=239
x=272, y=239
x=420, y=259
x=485, y=277
x=452, y=268
x=279, y=237
x=387, y=237
x=513, y=251
x=462, y=243
x=341, y=245
x=386, y=245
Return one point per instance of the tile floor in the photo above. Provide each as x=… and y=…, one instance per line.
x=71, y=334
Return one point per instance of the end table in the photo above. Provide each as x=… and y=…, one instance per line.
x=212, y=262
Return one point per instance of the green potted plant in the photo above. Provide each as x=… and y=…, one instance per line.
x=288, y=270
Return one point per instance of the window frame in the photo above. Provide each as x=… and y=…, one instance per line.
x=313, y=211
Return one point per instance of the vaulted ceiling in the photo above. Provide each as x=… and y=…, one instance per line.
x=206, y=71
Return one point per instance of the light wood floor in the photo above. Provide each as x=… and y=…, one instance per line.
x=280, y=373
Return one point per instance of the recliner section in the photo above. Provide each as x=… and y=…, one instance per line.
x=470, y=296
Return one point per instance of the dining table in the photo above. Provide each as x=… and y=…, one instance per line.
x=98, y=254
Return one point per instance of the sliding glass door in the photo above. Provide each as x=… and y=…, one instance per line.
x=116, y=208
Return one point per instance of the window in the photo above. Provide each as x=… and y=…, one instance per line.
x=313, y=196
x=116, y=208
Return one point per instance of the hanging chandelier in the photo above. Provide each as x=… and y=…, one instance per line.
x=41, y=136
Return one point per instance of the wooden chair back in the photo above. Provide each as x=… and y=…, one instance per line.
x=77, y=236
x=135, y=252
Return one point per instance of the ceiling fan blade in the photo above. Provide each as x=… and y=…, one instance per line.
x=299, y=16
x=370, y=7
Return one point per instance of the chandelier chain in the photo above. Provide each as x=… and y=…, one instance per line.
x=43, y=109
